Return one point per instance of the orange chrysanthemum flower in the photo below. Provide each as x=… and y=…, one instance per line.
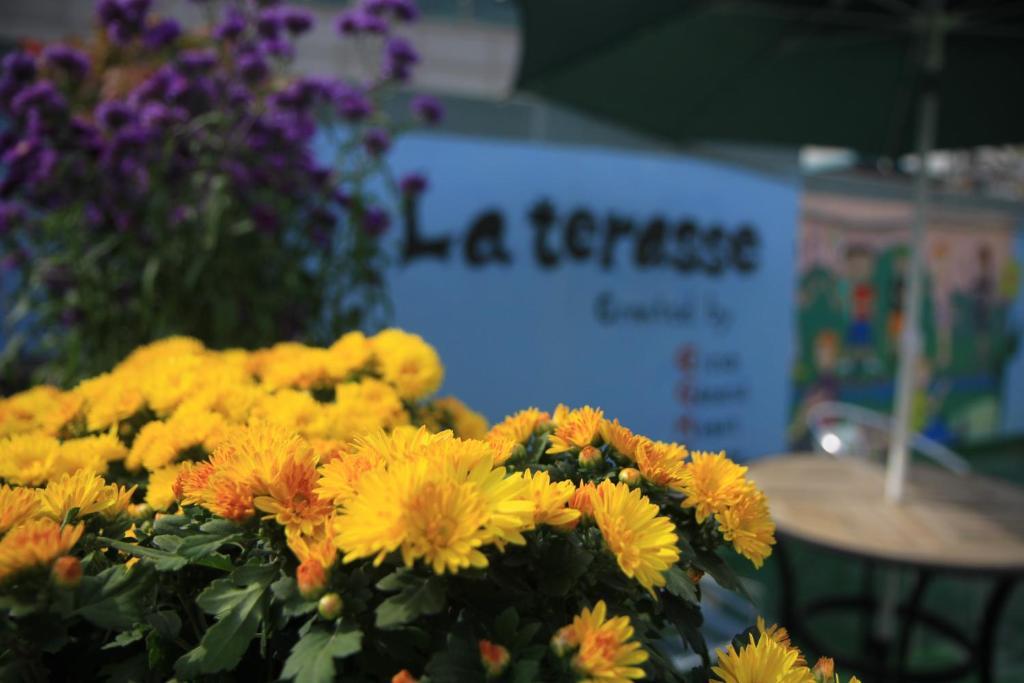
x=643, y=542
x=712, y=482
x=16, y=505
x=606, y=651
x=748, y=525
x=662, y=464
x=36, y=543
x=576, y=430
x=622, y=439
x=551, y=500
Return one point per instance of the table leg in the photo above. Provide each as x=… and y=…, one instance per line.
x=867, y=617
x=910, y=612
x=989, y=624
x=787, y=610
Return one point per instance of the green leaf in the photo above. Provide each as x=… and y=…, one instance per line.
x=416, y=596
x=457, y=663
x=166, y=623
x=562, y=565
x=126, y=638
x=170, y=524
x=506, y=624
x=721, y=572
x=286, y=593
x=312, y=657
x=114, y=598
x=238, y=601
x=161, y=560
x=678, y=583
x=203, y=545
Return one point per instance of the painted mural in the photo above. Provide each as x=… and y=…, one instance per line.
x=852, y=264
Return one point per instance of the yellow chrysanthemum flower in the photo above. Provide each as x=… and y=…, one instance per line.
x=160, y=489
x=154, y=444
x=290, y=499
x=350, y=354
x=579, y=428
x=409, y=363
x=110, y=398
x=467, y=423
x=605, y=649
x=761, y=660
x=91, y=453
x=620, y=438
x=643, y=542
x=712, y=482
x=167, y=383
x=434, y=506
x=749, y=527
x=17, y=504
x=662, y=464
x=340, y=477
x=43, y=409
x=360, y=408
x=36, y=543
x=519, y=427
x=29, y=459
x=291, y=364
x=155, y=354
x=291, y=408
x=85, y=491
x=551, y=500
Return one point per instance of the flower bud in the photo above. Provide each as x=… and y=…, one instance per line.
x=564, y=641
x=67, y=571
x=590, y=457
x=494, y=657
x=311, y=578
x=825, y=669
x=629, y=475
x=330, y=606
x=404, y=676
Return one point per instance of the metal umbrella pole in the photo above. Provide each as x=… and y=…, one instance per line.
x=910, y=335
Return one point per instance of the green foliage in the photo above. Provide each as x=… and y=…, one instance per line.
x=312, y=657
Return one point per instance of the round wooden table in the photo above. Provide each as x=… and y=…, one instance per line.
x=947, y=524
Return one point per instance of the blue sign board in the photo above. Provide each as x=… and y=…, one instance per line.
x=659, y=288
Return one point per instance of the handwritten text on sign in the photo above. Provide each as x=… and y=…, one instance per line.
x=548, y=274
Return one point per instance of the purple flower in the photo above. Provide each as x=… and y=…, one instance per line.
x=428, y=109
x=375, y=221
x=377, y=141
x=413, y=184
x=159, y=115
x=161, y=34
x=353, y=104
x=399, y=59
x=252, y=67
x=266, y=219
x=41, y=96
x=269, y=23
x=73, y=62
x=238, y=95
x=112, y=114
x=232, y=25
x=278, y=47
x=123, y=19
x=403, y=10
x=19, y=67
x=196, y=61
x=356, y=21
x=10, y=215
x=296, y=20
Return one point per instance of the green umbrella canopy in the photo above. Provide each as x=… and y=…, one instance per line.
x=797, y=72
